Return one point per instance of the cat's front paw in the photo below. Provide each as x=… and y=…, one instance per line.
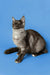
x=17, y=61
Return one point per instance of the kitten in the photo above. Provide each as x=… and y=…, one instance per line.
x=27, y=41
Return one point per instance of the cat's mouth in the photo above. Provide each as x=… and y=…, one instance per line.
x=15, y=27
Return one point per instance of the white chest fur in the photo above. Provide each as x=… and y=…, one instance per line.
x=18, y=35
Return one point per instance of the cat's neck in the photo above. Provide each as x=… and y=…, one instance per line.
x=19, y=32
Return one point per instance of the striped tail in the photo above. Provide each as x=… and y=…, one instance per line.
x=11, y=50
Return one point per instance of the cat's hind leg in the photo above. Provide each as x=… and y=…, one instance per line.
x=39, y=53
x=11, y=50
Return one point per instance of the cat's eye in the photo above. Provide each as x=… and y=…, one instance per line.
x=15, y=23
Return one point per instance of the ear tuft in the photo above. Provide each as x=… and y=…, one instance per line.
x=13, y=18
x=23, y=19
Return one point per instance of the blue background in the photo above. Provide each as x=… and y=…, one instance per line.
x=37, y=17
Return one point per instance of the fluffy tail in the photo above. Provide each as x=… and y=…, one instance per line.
x=11, y=50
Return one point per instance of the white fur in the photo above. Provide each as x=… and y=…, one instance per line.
x=18, y=35
x=33, y=55
x=16, y=61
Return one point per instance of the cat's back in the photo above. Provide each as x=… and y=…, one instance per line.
x=33, y=33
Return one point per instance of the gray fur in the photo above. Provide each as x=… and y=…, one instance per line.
x=31, y=41
x=27, y=41
x=18, y=36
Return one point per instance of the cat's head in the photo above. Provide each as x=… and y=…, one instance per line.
x=17, y=24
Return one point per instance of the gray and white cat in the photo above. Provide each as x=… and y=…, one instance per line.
x=27, y=41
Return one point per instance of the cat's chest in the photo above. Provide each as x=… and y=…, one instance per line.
x=18, y=37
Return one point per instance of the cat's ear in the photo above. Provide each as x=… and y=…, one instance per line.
x=13, y=19
x=23, y=19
